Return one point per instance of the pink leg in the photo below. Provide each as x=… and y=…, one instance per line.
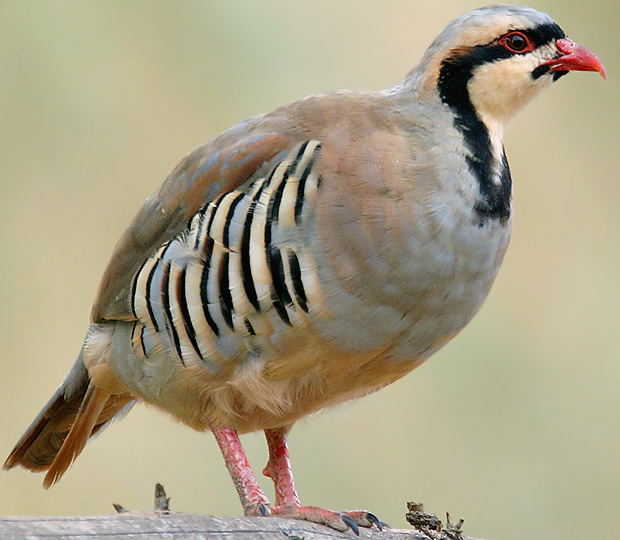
x=254, y=501
x=279, y=467
x=287, y=501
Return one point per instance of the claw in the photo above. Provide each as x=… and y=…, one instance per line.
x=363, y=518
x=351, y=524
x=375, y=521
x=259, y=509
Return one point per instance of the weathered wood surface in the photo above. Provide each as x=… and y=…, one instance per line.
x=176, y=526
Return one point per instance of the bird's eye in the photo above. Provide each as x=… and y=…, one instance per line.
x=516, y=42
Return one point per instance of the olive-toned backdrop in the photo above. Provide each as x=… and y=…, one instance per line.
x=513, y=426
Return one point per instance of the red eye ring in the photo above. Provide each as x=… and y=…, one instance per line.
x=516, y=42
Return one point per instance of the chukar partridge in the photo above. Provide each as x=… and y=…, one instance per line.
x=310, y=256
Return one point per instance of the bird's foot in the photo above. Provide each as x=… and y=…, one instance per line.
x=341, y=521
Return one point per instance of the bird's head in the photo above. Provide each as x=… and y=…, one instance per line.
x=497, y=58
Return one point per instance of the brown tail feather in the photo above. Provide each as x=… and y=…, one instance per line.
x=92, y=405
x=37, y=448
x=42, y=440
x=75, y=412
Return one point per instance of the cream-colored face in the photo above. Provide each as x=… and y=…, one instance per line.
x=499, y=89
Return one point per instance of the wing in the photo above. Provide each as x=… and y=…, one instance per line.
x=241, y=271
x=221, y=164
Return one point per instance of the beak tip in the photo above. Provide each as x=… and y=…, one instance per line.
x=574, y=57
x=598, y=67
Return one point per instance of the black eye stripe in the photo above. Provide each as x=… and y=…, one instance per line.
x=539, y=36
x=544, y=34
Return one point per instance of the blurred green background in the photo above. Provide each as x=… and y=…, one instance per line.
x=513, y=426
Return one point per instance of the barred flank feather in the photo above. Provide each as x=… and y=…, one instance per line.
x=219, y=276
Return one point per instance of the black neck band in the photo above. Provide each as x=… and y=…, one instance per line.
x=455, y=73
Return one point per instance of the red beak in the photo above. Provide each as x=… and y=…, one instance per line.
x=574, y=58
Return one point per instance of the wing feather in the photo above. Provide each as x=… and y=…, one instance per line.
x=221, y=164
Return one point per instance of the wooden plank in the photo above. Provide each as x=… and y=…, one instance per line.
x=177, y=526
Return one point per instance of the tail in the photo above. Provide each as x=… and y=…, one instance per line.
x=76, y=412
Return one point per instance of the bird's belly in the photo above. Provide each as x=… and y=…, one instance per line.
x=351, y=346
x=309, y=375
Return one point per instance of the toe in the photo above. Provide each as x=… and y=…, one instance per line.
x=335, y=520
x=365, y=519
x=340, y=521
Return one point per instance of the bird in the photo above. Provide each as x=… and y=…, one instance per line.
x=310, y=256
